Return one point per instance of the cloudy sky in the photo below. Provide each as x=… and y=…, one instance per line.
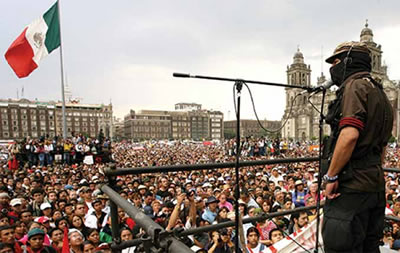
x=126, y=51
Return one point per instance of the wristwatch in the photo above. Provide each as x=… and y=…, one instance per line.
x=329, y=179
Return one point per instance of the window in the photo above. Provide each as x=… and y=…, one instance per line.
x=5, y=122
x=5, y=134
x=33, y=117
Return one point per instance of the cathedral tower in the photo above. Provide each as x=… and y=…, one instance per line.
x=298, y=73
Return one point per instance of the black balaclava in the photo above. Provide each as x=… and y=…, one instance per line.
x=357, y=62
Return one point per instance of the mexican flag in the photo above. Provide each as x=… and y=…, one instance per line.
x=37, y=40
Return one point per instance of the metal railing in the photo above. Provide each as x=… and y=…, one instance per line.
x=160, y=240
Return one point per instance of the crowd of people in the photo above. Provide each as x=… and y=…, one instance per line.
x=50, y=199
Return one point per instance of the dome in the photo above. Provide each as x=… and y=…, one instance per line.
x=298, y=54
x=298, y=57
x=366, y=34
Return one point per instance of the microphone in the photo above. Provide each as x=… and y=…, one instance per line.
x=326, y=85
x=182, y=75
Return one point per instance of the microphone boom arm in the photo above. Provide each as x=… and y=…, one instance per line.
x=184, y=75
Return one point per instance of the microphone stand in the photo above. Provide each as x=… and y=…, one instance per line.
x=321, y=130
x=239, y=84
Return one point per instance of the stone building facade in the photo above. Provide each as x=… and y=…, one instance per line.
x=250, y=127
x=303, y=119
x=24, y=118
x=194, y=124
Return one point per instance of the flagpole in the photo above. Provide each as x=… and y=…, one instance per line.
x=62, y=74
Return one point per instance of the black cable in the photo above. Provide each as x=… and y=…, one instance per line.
x=258, y=120
x=309, y=101
x=268, y=131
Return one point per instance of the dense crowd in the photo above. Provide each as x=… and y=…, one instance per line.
x=50, y=199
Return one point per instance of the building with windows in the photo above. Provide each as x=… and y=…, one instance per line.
x=187, y=107
x=250, y=127
x=24, y=118
x=303, y=119
x=87, y=119
x=147, y=124
x=182, y=123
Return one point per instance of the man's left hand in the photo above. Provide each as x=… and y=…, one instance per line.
x=330, y=190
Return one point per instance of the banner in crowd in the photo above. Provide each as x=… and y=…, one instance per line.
x=306, y=237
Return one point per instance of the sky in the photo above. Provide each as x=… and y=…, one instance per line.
x=126, y=51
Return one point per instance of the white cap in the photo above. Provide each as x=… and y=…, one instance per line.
x=83, y=181
x=15, y=202
x=44, y=206
x=207, y=185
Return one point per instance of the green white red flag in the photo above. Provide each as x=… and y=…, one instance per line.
x=37, y=40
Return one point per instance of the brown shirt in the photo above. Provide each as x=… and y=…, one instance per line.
x=366, y=107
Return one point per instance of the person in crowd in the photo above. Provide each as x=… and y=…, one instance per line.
x=88, y=247
x=253, y=241
x=36, y=242
x=56, y=236
x=75, y=238
x=210, y=213
x=275, y=235
x=298, y=195
x=298, y=220
x=77, y=223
